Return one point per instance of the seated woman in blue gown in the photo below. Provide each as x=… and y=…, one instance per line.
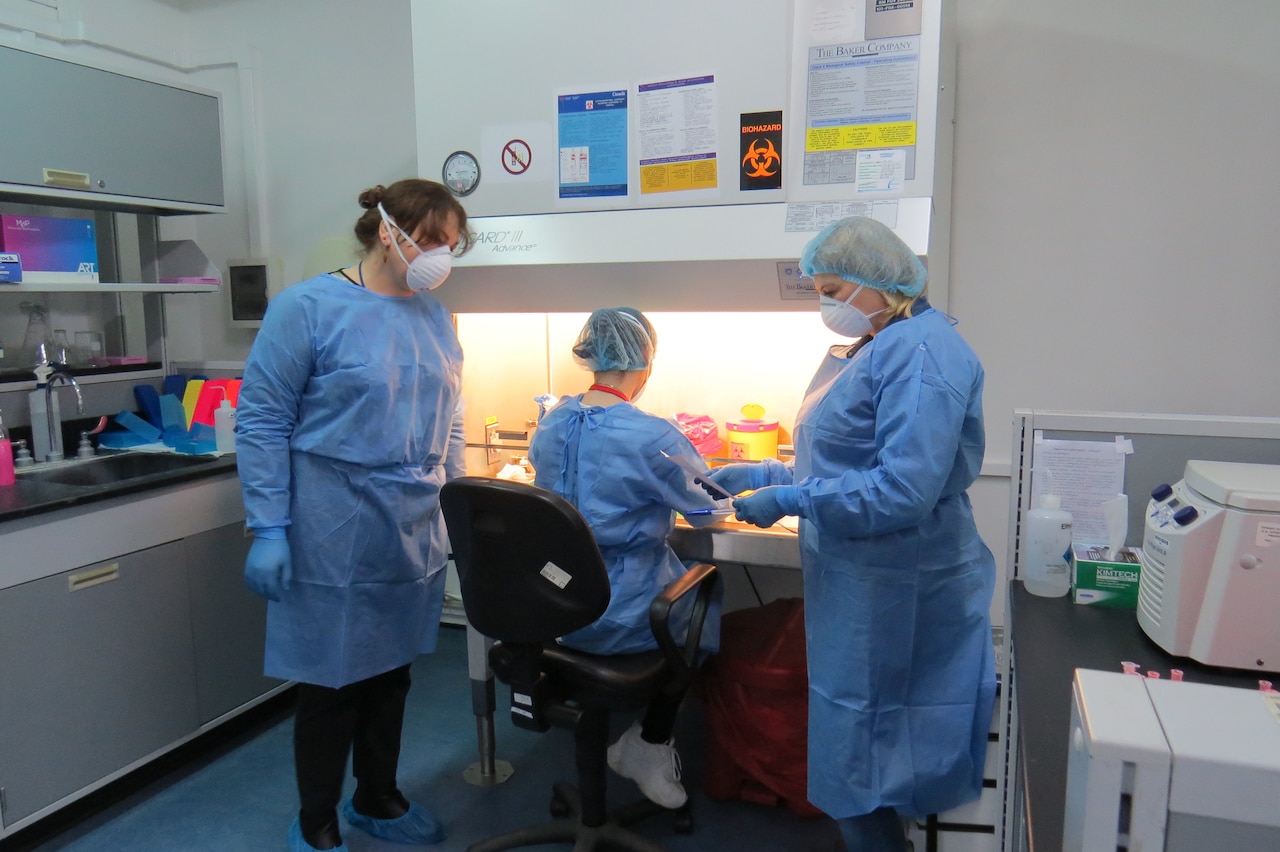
x=617, y=464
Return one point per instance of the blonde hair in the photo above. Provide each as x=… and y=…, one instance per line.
x=899, y=304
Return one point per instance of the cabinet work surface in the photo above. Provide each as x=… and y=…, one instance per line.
x=1052, y=637
x=47, y=527
x=730, y=541
x=29, y=497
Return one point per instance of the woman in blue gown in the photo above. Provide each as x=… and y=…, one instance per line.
x=897, y=582
x=617, y=464
x=349, y=422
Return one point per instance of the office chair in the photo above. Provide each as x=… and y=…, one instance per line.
x=530, y=571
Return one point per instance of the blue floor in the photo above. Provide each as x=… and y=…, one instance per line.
x=237, y=794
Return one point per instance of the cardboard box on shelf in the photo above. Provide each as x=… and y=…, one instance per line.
x=51, y=247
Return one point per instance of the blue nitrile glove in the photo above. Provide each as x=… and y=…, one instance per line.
x=269, y=567
x=765, y=506
x=735, y=478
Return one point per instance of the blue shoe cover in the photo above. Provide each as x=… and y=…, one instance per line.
x=297, y=843
x=417, y=826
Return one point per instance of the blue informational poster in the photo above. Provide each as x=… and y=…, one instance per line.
x=593, y=144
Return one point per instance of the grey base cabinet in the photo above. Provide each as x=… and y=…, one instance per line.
x=97, y=673
x=228, y=623
x=112, y=663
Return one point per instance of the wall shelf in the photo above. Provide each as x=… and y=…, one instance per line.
x=83, y=287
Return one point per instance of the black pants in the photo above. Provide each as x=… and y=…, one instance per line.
x=660, y=717
x=364, y=719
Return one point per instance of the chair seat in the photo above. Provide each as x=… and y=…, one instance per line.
x=614, y=682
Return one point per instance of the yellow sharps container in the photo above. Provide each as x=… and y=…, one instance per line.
x=753, y=438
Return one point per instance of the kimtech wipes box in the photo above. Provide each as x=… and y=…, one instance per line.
x=1099, y=580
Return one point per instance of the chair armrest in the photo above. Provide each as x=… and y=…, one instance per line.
x=701, y=578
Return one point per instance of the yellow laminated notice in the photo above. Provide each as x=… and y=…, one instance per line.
x=898, y=134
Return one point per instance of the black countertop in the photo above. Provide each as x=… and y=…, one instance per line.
x=1052, y=637
x=27, y=497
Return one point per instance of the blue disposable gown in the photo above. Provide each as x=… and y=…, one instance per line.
x=348, y=416
x=608, y=462
x=897, y=582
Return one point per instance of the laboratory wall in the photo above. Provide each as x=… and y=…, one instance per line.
x=323, y=92
x=1115, y=203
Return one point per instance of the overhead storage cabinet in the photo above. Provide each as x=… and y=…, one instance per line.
x=75, y=132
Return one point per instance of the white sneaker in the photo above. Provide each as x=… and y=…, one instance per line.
x=655, y=767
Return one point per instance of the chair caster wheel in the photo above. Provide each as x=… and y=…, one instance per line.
x=559, y=808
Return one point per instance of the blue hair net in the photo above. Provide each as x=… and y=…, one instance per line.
x=864, y=251
x=615, y=339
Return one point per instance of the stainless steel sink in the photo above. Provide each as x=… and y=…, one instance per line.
x=113, y=469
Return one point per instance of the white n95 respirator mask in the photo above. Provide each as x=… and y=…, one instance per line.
x=430, y=268
x=843, y=318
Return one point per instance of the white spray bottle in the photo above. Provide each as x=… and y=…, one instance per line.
x=1047, y=568
x=224, y=426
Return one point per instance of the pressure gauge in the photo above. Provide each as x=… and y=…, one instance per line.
x=461, y=173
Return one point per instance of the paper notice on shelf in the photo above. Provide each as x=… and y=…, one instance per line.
x=1085, y=474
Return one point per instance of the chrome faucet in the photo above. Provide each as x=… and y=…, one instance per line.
x=55, y=422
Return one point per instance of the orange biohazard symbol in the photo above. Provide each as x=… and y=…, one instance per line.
x=761, y=160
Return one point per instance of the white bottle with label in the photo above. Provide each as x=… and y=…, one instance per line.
x=1047, y=571
x=224, y=427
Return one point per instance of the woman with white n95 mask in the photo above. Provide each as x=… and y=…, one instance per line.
x=897, y=582
x=349, y=422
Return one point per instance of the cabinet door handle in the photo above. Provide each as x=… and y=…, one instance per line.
x=94, y=577
x=64, y=178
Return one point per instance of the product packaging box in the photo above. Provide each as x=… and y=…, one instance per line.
x=10, y=268
x=1098, y=579
x=51, y=248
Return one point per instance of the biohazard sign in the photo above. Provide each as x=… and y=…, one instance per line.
x=760, y=150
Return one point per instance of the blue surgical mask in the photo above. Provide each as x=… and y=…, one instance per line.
x=429, y=268
x=844, y=319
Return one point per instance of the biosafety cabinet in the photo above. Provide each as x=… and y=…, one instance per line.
x=676, y=158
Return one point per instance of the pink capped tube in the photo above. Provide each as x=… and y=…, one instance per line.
x=1264, y=685
x=1128, y=667
x=1175, y=674
x=1153, y=675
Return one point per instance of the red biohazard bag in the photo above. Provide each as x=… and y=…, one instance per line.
x=755, y=692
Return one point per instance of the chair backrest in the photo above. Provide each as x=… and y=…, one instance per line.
x=528, y=564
